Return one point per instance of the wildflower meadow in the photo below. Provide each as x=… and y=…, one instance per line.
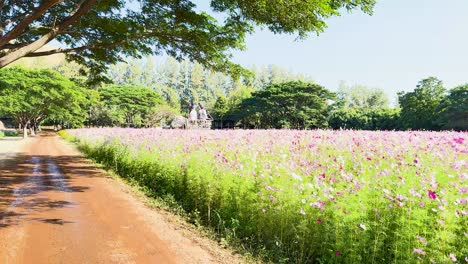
x=318, y=196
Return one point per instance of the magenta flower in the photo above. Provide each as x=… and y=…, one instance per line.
x=319, y=220
x=338, y=253
x=432, y=195
x=459, y=140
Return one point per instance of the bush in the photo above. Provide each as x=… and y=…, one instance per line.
x=8, y=133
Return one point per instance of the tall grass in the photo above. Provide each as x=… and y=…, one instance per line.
x=307, y=196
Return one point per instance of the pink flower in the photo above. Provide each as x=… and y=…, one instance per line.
x=432, y=195
x=419, y=251
x=422, y=240
x=319, y=220
x=453, y=257
x=459, y=140
x=338, y=253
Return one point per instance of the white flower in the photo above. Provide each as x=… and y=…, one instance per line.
x=363, y=226
x=297, y=177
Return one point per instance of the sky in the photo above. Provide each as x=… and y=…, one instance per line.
x=403, y=42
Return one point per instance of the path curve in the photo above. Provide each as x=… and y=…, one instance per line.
x=56, y=207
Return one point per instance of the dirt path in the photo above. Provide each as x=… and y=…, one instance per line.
x=55, y=207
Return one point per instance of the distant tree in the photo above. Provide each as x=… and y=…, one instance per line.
x=102, y=115
x=133, y=102
x=368, y=119
x=419, y=108
x=160, y=116
x=240, y=93
x=220, y=109
x=360, y=96
x=31, y=96
x=98, y=33
x=287, y=105
x=452, y=113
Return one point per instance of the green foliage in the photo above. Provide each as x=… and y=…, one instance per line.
x=220, y=108
x=286, y=105
x=183, y=83
x=133, y=103
x=99, y=33
x=160, y=116
x=102, y=115
x=453, y=110
x=368, y=119
x=31, y=96
x=8, y=133
x=419, y=108
x=360, y=96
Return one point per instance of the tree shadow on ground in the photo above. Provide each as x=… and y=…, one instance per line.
x=25, y=180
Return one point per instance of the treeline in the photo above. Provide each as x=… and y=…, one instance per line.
x=183, y=83
x=146, y=94
x=429, y=107
x=31, y=98
x=301, y=105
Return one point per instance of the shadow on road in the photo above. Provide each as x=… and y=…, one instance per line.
x=26, y=179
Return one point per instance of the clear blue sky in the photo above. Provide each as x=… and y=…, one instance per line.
x=403, y=42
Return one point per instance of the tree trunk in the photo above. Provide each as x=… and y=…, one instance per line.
x=25, y=131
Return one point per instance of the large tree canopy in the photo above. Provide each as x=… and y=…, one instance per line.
x=98, y=33
x=132, y=103
x=453, y=110
x=297, y=105
x=31, y=96
x=419, y=108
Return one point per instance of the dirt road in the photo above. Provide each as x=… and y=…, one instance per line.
x=55, y=207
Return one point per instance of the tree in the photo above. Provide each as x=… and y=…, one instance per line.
x=133, y=102
x=31, y=96
x=160, y=116
x=98, y=33
x=288, y=105
x=419, y=108
x=220, y=109
x=453, y=110
x=368, y=119
x=360, y=96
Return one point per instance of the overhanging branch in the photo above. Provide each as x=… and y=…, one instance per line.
x=23, y=24
x=81, y=10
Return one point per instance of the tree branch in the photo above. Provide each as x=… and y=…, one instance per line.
x=81, y=10
x=23, y=24
x=74, y=50
x=55, y=51
x=15, y=45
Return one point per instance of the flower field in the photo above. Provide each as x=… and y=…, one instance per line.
x=307, y=196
